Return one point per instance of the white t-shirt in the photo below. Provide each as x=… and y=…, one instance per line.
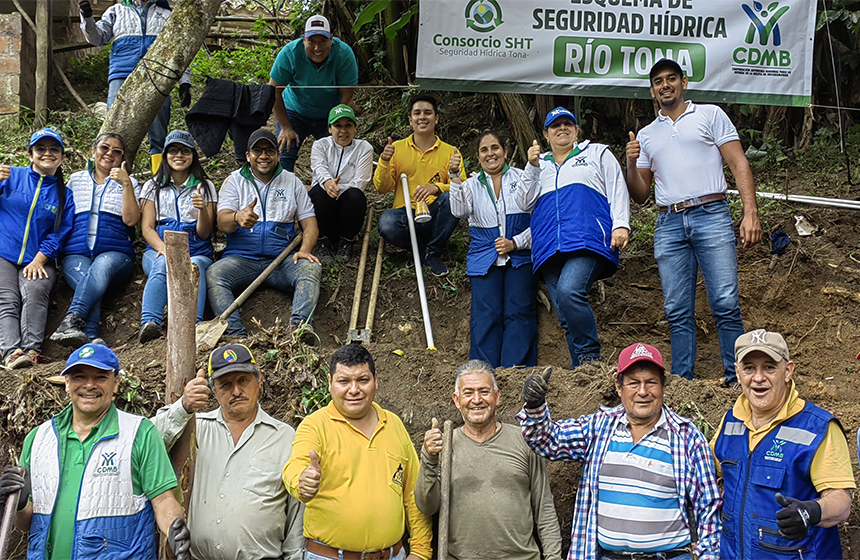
x=174, y=201
x=684, y=155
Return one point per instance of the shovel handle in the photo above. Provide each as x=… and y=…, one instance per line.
x=6, y=526
x=261, y=278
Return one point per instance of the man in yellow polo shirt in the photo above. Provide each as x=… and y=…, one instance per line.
x=784, y=461
x=429, y=165
x=354, y=467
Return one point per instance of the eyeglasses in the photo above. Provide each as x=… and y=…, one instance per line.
x=257, y=152
x=115, y=152
x=175, y=150
x=40, y=149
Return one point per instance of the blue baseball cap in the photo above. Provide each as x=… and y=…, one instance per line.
x=179, y=137
x=556, y=114
x=98, y=356
x=46, y=133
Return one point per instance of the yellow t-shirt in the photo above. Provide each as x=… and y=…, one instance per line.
x=421, y=168
x=366, y=496
x=831, y=466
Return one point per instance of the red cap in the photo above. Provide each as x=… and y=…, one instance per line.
x=639, y=352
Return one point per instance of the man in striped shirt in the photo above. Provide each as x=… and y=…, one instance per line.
x=646, y=470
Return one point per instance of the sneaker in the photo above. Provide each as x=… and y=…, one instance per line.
x=344, y=251
x=322, y=251
x=304, y=332
x=98, y=340
x=71, y=331
x=18, y=359
x=37, y=358
x=149, y=331
x=436, y=267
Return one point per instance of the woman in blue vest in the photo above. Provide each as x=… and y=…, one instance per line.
x=179, y=198
x=503, y=322
x=99, y=252
x=580, y=220
x=36, y=210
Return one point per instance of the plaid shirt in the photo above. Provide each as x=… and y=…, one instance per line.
x=586, y=440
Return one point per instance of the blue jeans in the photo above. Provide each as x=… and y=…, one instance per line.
x=304, y=127
x=90, y=278
x=700, y=238
x=158, y=130
x=155, y=291
x=432, y=235
x=503, y=322
x=681, y=557
x=569, y=277
x=311, y=556
x=231, y=274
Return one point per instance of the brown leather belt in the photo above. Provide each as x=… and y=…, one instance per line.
x=329, y=552
x=692, y=203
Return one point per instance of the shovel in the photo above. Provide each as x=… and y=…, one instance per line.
x=208, y=333
x=359, y=282
x=363, y=335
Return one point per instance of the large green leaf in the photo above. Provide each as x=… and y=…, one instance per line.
x=367, y=14
x=396, y=26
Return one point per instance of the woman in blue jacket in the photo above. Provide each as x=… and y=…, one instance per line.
x=179, y=198
x=580, y=221
x=99, y=252
x=36, y=210
x=503, y=322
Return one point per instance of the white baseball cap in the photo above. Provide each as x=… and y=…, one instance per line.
x=317, y=25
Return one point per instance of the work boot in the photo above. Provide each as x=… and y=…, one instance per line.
x=304, y=332
x=18, y=359
x=323, y=251
x=71, y=331
x=344, y=251
x=149, y=331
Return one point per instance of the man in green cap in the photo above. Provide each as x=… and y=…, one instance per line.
x=342, y=166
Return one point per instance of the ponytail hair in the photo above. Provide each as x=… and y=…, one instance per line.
x=61, y=198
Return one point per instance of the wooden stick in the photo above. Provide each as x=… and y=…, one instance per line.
x=359, y=277
x=7, y=525
x=69, y=86
x=374, y=288
x=445, y=505
x=43, y=57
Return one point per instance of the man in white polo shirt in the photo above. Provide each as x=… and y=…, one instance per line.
x=683, y=152
x=646, y=471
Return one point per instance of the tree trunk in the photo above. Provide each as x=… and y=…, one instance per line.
x=393, y=50
x=146, y=88
x=521, y=123
x=43, y=58
x=362, y=50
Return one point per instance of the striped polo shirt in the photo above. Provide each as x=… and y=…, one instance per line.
x=637, y=506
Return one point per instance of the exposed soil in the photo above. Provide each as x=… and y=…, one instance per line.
x=810, y=294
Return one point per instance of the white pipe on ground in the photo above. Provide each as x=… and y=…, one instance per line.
x=425, y=311
x=812, y=200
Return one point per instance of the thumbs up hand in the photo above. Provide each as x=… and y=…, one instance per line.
x=246, y=217
x=331, y=187
x=796, y=517
x=433, y=439
x=120, y=175
x=633, y=149
x=388, y=151
x=534, y=154
x=197, y=198
x=535, y=388
x=195, y=396
x=454, y=163
x=309, y=480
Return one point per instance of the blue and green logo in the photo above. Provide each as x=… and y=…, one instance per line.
x=483, y=15
x=764, y=21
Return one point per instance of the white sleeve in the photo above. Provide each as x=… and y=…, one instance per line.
x=148, y=191
x=616, y=190
x=460, y=198
x=722, y=129
x=644, y=162
x=170, y=420
x=524, y=239
x=363, y=168
x=228, y=198
x=99, y=33
x=319, y=164
x=210, y=194
x=304, y=205
x=136, y=187
x=528, y=196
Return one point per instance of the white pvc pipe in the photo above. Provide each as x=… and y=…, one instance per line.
x=812, y=200
x=425, y=311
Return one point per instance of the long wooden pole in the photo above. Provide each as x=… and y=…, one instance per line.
x=43, y=57
x=359, y=277
x=182, y=284
x=445, y=503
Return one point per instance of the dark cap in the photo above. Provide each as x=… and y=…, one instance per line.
x=663, y=64
x=262, y=134
x=231, y=358
x=98, y=356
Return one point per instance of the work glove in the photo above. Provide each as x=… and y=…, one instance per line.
x=179, y=539
x=184, y=95
x=86, y=9
x=795, y=517
x=535, y=388
x=13, y=480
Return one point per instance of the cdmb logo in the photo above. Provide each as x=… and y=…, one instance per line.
x=483, y=15
x=765, y=22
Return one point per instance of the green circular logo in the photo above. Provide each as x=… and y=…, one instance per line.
x=483, y=15
x=86, y=352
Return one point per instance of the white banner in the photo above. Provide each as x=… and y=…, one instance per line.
x=737, y=51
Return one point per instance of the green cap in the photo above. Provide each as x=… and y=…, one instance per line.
x=340, y=111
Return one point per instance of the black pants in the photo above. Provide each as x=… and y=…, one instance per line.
x=341, y=217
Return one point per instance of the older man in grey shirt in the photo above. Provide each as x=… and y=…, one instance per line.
x=240, y=509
